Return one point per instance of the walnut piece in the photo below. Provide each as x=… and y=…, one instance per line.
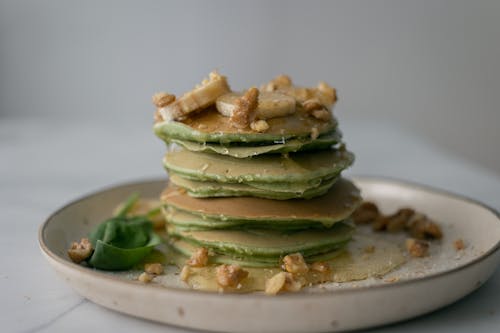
x=283, y=281
x=366, y=213
x=295, y=263
x=459, y=244
x=398, y=221
x=162, y=99
x=417, y=248
x=145, y=277
x=230, y=275
x=199, y=258
x=259, y=126
x=153, y=268
x=421, y=227
x=328, y=93
x=78, y=252
x=185, y=272
x=244, y=112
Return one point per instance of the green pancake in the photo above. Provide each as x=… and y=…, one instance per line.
x=297, y=167
x=210, y=126
x=338, y=203
x=187, y=250
x=281, y=146
x=266, y=245
x=280, y=192
x=190, y=221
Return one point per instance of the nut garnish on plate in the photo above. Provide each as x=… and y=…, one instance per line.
x=78, y=252
x=153, y=268
x=230, y=275
x=199, y=258
x=295, y=263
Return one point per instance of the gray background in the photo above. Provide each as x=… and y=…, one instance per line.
x=432, y=67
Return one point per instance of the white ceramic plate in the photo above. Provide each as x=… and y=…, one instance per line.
x=417, y=288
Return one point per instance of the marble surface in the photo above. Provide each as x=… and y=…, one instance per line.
x=44, y=163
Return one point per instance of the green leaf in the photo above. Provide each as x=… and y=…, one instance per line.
x=121, y=242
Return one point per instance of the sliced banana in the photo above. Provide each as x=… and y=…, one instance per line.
x=271, y=104
x=200, y=97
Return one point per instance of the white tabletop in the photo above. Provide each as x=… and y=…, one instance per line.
x=45, y=163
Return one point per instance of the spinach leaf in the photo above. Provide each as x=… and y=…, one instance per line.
x=121, y=242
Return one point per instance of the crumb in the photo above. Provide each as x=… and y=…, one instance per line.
x=230, y=275
x=153, y=268
x=245, y=109
x=459, y=244
x=259, y=126
x=78, y=252
x=369, y=249
x=145, y=277
x=417, y=248
x=199, y=258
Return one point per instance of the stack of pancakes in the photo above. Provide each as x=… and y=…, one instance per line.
x=252, y=197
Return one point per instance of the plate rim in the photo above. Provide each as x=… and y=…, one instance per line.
x=368, y=178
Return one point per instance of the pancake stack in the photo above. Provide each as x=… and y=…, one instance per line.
x=252, y=191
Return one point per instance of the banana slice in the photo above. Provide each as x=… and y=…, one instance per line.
x=271, y=104
x=200, y=97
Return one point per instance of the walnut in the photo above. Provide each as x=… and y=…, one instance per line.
x=398, y=221
x=244, y=112
x=78, y=252
x=259, y=126
x=162, y=99
x=281, y=81
x=230, y=275
x=145, y=277
x=199, y=258
x=329, y=93
x=395, y=222
x=185, y=272
x=318, y=110
x=282, y=281
x=459, y=244
x=417, y=248
x=153, y=268
x=295, y=263
x=366, y=213
x=421, y=227
x=312, y=104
